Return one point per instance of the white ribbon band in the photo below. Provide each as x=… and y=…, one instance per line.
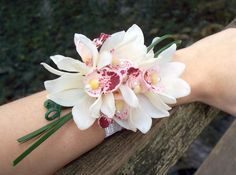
x=111, y=129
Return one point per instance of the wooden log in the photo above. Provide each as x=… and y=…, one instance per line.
x=222, y=159
x=153, y=153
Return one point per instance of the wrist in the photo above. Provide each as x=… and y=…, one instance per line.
x=191, y=74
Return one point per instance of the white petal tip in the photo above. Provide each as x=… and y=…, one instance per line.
x=53, y=57
x=76, y=35
x=144, y=131
x=186, y=89
x=165, y=115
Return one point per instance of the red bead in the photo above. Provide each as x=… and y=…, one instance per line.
x=103, y=122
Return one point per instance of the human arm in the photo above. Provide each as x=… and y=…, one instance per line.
x=211, y=70
x=26, y=115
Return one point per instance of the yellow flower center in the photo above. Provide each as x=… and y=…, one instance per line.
x=137, y=89
x=115, y=61
x=94, y=84
x=120, y=105
x=154, y=78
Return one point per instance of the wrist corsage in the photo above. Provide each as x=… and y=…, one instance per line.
x=120, y=83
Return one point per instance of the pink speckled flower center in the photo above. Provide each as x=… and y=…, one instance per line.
x=152, y=79
x=104, y=80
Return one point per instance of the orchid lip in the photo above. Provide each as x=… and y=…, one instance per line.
x=102, y=81
x=152, y=81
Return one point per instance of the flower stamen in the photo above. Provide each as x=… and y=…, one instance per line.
x=94, y=84
x=154, y=78
x=119, y=105
x=137, y=89
x=115, y=61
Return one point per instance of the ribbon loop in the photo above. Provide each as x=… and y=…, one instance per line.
x=53, y=110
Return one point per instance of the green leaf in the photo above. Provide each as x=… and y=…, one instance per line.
x=177, y=42
x=158, y=40
x=38, y=132
x=58, y=125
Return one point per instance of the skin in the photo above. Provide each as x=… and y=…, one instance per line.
x=210, y=70
x=26, y=115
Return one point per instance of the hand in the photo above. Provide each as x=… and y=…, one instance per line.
x=211, y=70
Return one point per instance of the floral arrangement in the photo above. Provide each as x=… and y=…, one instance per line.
x=120, y=80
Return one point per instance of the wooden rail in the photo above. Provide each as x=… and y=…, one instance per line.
x=154, y=153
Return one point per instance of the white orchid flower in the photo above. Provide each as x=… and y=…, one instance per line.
x=159, y=84
x=120, y=81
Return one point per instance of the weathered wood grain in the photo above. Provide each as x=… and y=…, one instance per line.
x=222, y=159
x=154, y=153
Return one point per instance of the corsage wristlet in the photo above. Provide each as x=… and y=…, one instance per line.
x=120, y=83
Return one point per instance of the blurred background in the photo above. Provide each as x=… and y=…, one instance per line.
x=31, y=31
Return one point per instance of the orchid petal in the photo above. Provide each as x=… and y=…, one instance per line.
x=150, y=109
x=146, y=64
x=65, y=82
x=176, y=87
x=132, y=46
x=111, y=42
x=140, y=119
x=150, y=54
x=54, y=71
x=69, y=64
x=105, y=58
x=125, y=123
x=129, y=96
x=81, y=113
x=157, y=102
x=166, y=55
x=108, y=105
x=96, y=107
x=134, y=32
x=131, y=51
x=172, y=69
x=67, y=98
x=167, y=98
x=86, y=49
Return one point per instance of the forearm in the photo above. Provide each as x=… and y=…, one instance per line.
x=26, y=115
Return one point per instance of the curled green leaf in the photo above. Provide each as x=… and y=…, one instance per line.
x=53, y=110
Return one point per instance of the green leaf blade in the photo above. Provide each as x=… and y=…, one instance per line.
x=37, y=132
x=58, y=125
x=157, y=41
